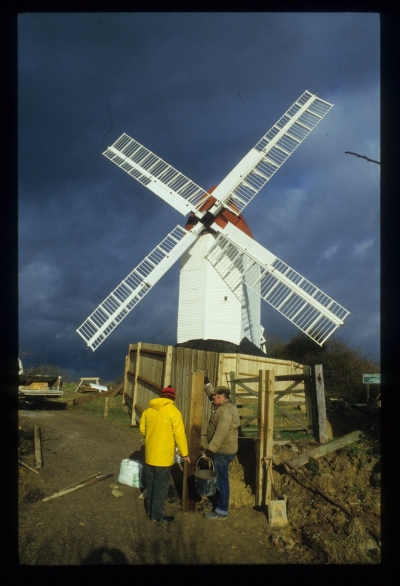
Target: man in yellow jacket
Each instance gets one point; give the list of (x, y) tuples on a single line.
[(162, 426)]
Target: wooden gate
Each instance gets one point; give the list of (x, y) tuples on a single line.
[(312, 421)]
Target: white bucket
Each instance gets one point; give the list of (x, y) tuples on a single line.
[(130, 472)]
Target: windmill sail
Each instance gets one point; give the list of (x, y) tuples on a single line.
[(165, 181), (301, 302), (250, 175), (243, 183), (134, 287)]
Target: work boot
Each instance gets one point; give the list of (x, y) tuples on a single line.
[(164, 519)]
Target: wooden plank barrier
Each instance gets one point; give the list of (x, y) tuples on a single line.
[(151, 367)]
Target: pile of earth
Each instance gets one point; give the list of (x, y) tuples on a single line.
[(350, 477)]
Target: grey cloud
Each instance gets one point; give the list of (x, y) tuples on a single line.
[(199, 90)]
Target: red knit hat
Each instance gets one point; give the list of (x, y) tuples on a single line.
[(168, 393)]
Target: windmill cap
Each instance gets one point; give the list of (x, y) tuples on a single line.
[(220, 390), (168, 393)]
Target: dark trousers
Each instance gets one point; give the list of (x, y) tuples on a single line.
[(157, 480), (221, 465)]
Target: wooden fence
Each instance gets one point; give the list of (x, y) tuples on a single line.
[(151, 367)]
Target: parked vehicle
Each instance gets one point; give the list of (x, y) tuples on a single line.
[(38, 387)]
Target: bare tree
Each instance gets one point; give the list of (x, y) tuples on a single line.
[(362, 157), (33, 369)]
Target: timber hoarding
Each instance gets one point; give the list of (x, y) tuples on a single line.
[(151, 367)]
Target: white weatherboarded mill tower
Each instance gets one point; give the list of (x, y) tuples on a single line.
[(208, 309), (224, 271)]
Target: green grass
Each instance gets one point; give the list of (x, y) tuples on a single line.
[(117, 412)]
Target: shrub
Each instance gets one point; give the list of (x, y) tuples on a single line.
[(343, 366)]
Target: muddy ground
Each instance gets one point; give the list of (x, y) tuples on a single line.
[(91, 526)]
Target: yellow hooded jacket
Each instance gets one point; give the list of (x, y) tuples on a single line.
[(162, 426)]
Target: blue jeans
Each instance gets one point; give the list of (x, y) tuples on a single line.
[(221, 465)]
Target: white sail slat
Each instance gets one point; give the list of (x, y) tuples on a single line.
[(105, 318), (165, 181), (252, 173), (301, 302)]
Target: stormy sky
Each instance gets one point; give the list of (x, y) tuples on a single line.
[(199, 90)]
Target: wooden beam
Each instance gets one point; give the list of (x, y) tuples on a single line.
[(196, 387), (233, 387), (167, 367), (77, 487), (38, 447), (244, 380), (324, 449), (106, 403), (260, 476), (289, 428), (289, 416), (150, 383), (149, 351), (82, 481), (29, 467), (117, 390), (308, 397), (289, 377), (135, 383), (246, 388), (321, 427), (286, 391), (128, 402), (269, 429)]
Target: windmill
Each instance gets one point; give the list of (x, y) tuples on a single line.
[(224, 271)]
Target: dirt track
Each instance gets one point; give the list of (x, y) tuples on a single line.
[(91, 526)]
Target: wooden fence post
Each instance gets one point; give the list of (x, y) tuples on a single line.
[(167, 367), (135, 385), (320, 423), (193, 432), (128, 381), (38, 446), (233, 388), (106, 403), (260, 441), (269, 429), (308, 397)]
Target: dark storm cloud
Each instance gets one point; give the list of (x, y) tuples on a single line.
[(199, 90)]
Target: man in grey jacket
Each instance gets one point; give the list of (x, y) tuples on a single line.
[(222, 438)]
